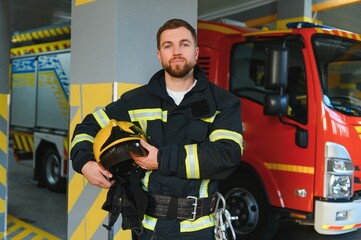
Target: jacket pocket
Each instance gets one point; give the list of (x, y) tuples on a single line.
[(197, 130)]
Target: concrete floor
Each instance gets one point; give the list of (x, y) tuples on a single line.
[(48, 211), (37, 206)]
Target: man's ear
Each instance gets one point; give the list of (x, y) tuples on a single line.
[(196, 53), (158, 55)]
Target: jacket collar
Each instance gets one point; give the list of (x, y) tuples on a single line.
[(201, 103), (157, 85)]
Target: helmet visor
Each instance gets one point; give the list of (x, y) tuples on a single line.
[(119, 158)]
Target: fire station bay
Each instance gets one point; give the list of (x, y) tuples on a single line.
[(294, 65)]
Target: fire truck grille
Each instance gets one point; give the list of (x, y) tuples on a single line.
[(205, 62)]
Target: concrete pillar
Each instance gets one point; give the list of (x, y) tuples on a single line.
[(293, 11), (113, 50), (4, 110)]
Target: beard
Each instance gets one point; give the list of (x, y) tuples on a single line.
[(178, 70)]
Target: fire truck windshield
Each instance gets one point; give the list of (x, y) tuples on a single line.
[(339, 64)]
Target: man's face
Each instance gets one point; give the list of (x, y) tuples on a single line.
[(177, 52)]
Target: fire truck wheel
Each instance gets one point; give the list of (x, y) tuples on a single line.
[(51, 169), (246, 200)]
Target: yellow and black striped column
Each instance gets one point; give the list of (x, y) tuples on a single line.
[(4, 110), (4, 105), (85, 201)]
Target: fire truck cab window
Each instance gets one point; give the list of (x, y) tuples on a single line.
[(247, 74)]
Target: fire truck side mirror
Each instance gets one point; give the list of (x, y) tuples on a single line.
[(276, 67), (275, 105), (275, 81)]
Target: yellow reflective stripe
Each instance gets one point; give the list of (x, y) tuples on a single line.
[(80, 138), (145, 180), (210, 119), (290, 168), (203, 191), (191, 161), (148, 114), (199, 224), (226, 134), (149, 222), (101, 118)]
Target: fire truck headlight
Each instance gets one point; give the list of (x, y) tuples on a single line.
[(340, 186), (339, 172)]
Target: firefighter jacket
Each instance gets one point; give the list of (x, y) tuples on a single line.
[(199, 141)]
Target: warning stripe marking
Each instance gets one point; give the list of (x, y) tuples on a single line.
[(82, 2), (66, 148), (85, 215), (4, 110), (23, 142), (39, 48), (41, 33), (340, 33), (17, 229), (345, 227)]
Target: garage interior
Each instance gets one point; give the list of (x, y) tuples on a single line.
[(26, 200)]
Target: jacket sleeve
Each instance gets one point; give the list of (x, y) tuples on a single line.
[(216, 157), (84, 133)]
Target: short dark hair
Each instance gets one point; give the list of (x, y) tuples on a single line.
[(173, 24)]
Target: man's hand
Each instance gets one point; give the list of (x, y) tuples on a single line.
[(149, 162), (97, 175)]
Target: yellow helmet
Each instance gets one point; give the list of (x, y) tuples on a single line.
[(116, 144)]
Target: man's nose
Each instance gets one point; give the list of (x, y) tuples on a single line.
[(176, 50)]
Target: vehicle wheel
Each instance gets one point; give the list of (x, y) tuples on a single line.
[(246, 199), (51, 169)]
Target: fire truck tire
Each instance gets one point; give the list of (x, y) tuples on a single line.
[(246, 199), (51, 169)]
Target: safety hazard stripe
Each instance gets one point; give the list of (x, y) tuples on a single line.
[(42, 33), (39, 48), (81, 2), (84, 200), (85, 216), (17, 229), (66, 147), (345, 227), (4, 117), (23, 142), (340, 33)]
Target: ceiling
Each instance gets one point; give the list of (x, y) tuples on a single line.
[(31, 14)]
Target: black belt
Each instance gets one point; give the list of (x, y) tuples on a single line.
[(189, 208)]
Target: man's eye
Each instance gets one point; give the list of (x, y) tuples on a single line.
[(166, 46)]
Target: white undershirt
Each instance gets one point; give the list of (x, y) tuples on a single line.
[(178, 96)]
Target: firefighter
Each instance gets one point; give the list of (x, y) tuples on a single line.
[(194, 139)]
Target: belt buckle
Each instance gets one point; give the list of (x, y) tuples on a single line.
[(195, 204)]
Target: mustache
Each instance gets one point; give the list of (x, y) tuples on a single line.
[(177, 58)]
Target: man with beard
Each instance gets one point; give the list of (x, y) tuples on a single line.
[(195, 139)]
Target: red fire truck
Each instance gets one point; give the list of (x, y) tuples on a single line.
[(300, 93)]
